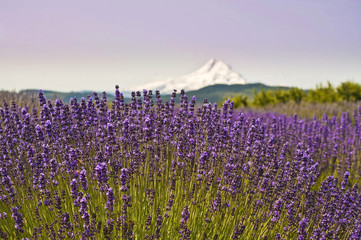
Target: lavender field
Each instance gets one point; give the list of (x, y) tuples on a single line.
[(151, 169)]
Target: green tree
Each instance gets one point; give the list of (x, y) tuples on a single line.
[(240, 101), (281, 96), (296, 94), (349, 91), (263, 98), (323, 94)]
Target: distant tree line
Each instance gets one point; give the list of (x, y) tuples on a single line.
[(346, 91)]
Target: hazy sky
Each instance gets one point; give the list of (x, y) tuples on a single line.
[(87, 44)]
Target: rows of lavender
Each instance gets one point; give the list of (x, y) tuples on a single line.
[(151, 169)]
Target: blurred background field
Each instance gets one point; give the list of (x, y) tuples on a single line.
[(248, 97)]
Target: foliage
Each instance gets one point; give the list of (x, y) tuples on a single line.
[(296, 94), (323, 94), (263, 98), (346, 91), (281, 96), (349, 91)]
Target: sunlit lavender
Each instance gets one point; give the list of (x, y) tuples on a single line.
[(155, 169)]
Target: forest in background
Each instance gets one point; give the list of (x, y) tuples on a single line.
[(345, 92)]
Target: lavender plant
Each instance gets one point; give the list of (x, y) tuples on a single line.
[(149, 169)]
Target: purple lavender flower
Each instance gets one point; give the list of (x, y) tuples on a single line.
[(238, 230), (185, 232), (101, 172), (277, 207), (170, 202), (185, 215), (302, 234), (111, 198), (83, 180), (158, 226), (84, 211), (345, 180), (48, 128), (6, 181), (73, 188), (124, 179), (42, 181), (18, 217), (3, 215), (217, 202), (39, 132), (42, 99)]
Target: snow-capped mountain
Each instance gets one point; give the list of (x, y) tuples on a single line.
[(213, 72)]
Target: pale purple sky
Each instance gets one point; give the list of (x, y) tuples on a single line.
[(87, 44)]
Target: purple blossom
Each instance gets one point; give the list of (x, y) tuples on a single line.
[(184, 230), (302, 234), (83, 180), (124, 179), (73, 188), (111, 198), (18, 217), (101, 172)]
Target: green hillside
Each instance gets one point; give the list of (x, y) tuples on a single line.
[(218, 92)]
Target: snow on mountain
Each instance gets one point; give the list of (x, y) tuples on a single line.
[(213, 72)]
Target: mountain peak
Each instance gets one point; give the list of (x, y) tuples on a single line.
[(214, 65), (213, 72)]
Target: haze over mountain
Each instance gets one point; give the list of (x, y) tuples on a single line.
[(213, 72)]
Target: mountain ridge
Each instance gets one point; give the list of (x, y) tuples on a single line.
[(214, 93)]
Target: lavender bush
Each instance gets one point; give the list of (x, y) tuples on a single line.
[(149, 170)]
